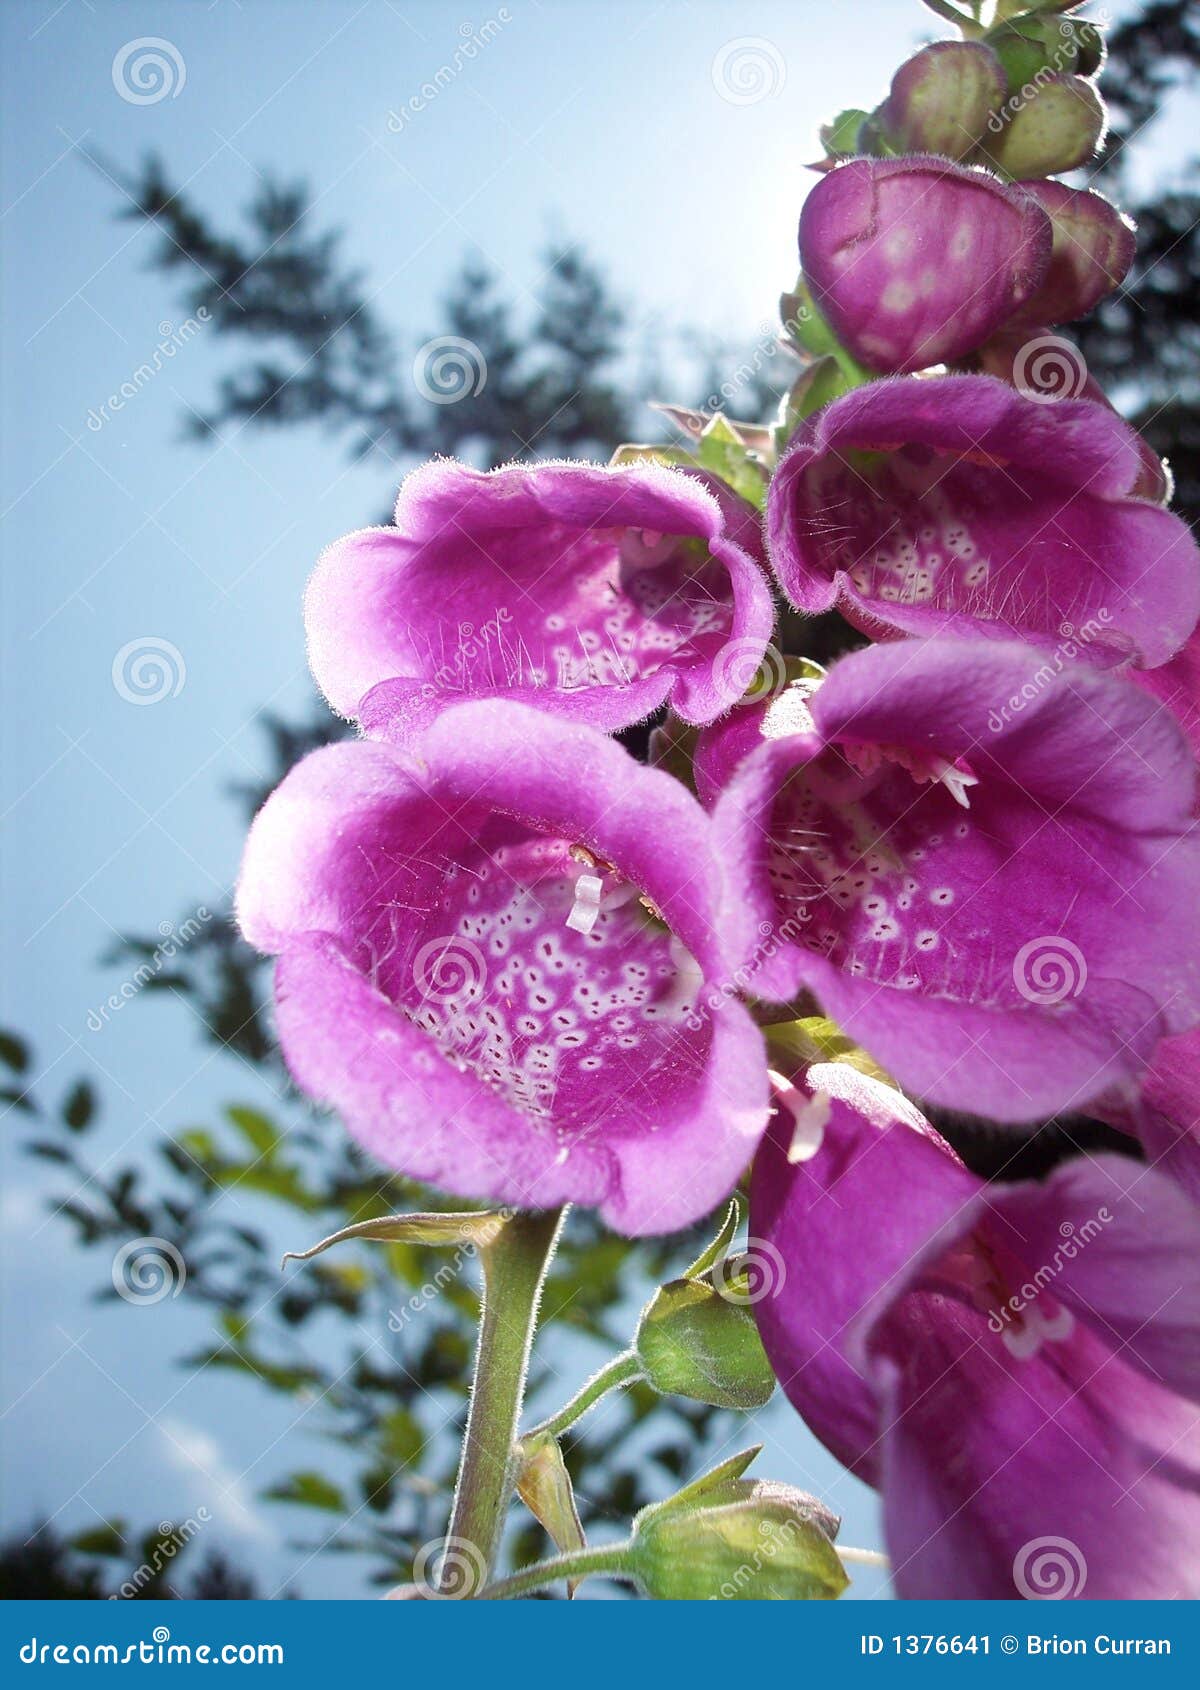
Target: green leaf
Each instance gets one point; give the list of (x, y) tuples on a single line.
[(261, 1134), (721, 450), (840, 138), (310, 1490), (79, 1107), (108, 1539), (477, 1228), (14, 1052)]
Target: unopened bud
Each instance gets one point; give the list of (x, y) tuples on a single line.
[(726, 1538), (693, 1342), (941, 99), (1056, 129)]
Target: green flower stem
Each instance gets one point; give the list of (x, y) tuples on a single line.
[(612, 1559), (624, 1369), (514, 1269)]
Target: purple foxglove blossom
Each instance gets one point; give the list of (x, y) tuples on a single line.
[(1093, 248), (1048, 367), (489, 959), (955, 504), (593, 593), (1015, 1367), (1177, 685), (983, 864), (1164, 1113), (916, 261)]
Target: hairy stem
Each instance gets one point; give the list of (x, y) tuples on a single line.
[(603, 1558), (624, 1369), (514, 1268)]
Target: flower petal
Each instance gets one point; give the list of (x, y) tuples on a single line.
[(916, 261), (956, 505), (1093, 249), (1014, 957), (593, 593), (470, 972)]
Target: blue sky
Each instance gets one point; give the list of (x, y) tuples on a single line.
[(611, 122)]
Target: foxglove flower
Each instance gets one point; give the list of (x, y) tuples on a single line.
[(984, 867), (1164, 1112), (1016, 1367), (956, 505), (593, 593), (489, 960), (916, 261), (1093, 247), (1177, 685), (1048, 367)]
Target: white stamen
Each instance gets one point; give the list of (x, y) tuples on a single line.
[(810, 1117), (584, 911), (956, 782)]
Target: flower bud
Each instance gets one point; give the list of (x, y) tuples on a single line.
[(726, 1538), (1054, 130), (1093, 248), (693, 1342), (941, 99)]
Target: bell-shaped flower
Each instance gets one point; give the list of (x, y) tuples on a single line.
[(1047, 368), (958, 505), (490, 959), (917, 261), (984, 866), (1093, 248), (1016, 1367), (1163, 1113), (594, 593), (1177, 685)]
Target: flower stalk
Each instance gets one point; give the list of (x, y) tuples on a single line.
[(514, 1270)]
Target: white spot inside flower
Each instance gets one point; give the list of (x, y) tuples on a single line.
[(898, 296)]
